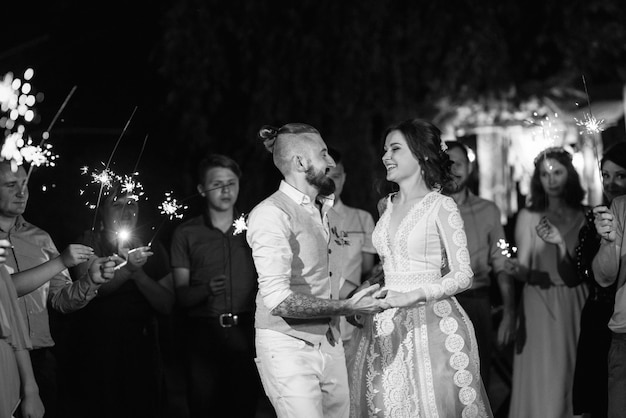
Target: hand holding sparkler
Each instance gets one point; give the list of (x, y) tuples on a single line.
[(136, 257), (102, 269), (604, 222), (76, 254), (511, 265)]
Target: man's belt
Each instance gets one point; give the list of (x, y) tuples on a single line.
[(227, 320)]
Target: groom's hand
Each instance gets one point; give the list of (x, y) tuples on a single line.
[(363, 301)]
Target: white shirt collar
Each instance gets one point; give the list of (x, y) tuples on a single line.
[(301, 198)]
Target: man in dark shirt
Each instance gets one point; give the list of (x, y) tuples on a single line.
[(215, 284)]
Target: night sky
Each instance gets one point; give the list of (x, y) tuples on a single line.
[(108, 53), (205, 75)]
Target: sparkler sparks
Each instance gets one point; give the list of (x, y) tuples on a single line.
[(170, 207), (104, 178), (240, 224), (590, 125), (132, 187), (17, 101), (504, 246)]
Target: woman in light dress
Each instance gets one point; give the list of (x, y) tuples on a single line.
[(420, 358), (552, 303)]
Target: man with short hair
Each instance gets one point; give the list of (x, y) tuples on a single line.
[(48, 282), (484, 231), (215, 284), (300, 356)]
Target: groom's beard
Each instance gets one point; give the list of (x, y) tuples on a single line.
[(324, 184)]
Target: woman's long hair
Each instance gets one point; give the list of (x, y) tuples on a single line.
[(573, 192)]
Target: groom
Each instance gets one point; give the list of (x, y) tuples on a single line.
[(300, 356)]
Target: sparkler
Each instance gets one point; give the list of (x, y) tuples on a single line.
[(592, 127), (41, 150), (240, 224), (140, 153), (170, 207), (93, 225), (103, 178), (504, 246)]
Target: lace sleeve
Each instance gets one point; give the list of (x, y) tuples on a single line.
[(459, 274)]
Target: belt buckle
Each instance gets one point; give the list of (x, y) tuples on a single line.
[(228, 320)]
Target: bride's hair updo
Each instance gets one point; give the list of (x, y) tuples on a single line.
[(424, 140)]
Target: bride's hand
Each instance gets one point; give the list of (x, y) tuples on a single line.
[(396, 299)]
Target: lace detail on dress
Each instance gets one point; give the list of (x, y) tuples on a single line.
[(405, 281), (406, 226), (459, 361), (396, 378)]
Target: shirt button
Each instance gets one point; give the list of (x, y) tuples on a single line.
[(330, 273), (329, 251)]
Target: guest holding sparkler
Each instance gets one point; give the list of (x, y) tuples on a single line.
[(591, 375), (47, 282), (215, 284), (114, 347), (549, 321), (608, 269)]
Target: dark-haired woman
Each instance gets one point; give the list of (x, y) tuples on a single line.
[(419, 358), (590, 392), (549, 324)]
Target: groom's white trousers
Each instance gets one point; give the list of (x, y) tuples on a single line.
[(300, 379)]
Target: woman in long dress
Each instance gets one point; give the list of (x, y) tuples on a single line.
[(420, 358), (591, 377), (549, 323)]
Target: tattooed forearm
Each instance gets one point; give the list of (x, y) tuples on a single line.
[(304, 306)]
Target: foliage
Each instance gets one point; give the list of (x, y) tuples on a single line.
[(351, 67)]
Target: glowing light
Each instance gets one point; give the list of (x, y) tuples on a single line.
[(132, 187), (37, 155), (590, 125), (240, 224), (29, 73), (123, 235), (170, 207), (504, 246), (104, 178)]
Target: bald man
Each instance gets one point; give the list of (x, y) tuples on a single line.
[(300, 355)]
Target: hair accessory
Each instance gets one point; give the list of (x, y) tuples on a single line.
[(552, 150)]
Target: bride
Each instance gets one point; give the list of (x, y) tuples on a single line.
[(420, 358)]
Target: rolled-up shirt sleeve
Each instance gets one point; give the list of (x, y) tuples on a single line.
[(268, 236)]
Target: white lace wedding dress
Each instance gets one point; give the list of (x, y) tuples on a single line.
[(420, 361)]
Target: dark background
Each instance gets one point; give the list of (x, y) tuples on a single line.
[(205, 75)]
